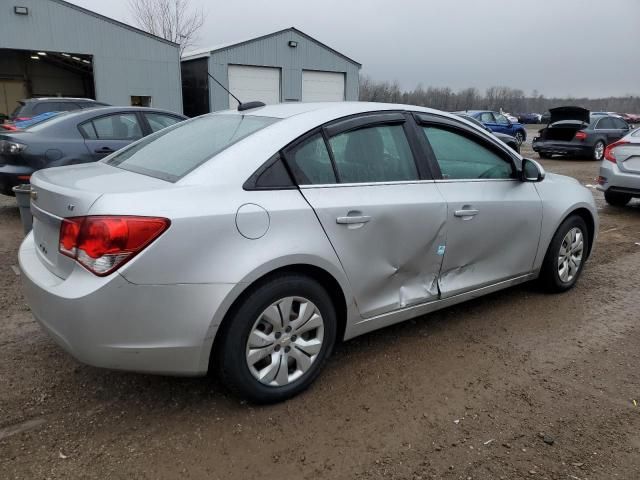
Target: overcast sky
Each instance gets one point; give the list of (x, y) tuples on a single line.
[(558, 47)]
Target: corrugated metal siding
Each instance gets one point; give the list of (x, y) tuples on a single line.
[(274, 51), (125, 62)]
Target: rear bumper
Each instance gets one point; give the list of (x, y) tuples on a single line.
[(561, 148), (9, 177), (615, 180), (111, 323)]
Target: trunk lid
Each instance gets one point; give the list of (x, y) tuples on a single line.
[(569, 113), (70, 191)]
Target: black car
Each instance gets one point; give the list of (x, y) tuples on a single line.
[(31, 107), (75, 137), (573, 131), (512, 142)]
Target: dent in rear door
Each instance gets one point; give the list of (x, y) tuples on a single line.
[(393, 260)]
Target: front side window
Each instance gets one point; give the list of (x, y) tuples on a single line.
[(373, 154), (122, 126), (175, 151), (310, 162), (460, 157), (158, 121), (502, 120)]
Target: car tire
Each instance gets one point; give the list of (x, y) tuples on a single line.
[(546, 156), (617, 199), (598, 151), (519, 136), (559, 271), (235, 362)]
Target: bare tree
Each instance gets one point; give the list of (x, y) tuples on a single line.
[(173, 20)]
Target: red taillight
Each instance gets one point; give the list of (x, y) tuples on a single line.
[(21, 119), (609, 153), (580, 135), (9, 126), (104, 243)]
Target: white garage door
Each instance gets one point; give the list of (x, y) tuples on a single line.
[(254, 84), (322, 86)]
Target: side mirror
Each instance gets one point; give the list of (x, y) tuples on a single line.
[(531, 171)]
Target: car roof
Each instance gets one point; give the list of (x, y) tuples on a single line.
[(58, 99), (329, 109)]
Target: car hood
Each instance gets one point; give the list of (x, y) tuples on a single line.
[(569, 113)]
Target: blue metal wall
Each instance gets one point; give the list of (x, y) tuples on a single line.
[(126, 62)]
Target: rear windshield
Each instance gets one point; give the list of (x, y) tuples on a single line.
[(175, 151), (59, 117)]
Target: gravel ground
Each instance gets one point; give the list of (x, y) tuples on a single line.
[(518, 384)]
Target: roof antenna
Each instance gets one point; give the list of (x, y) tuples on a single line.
[(241, 106)]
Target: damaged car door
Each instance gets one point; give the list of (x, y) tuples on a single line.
[(494, 219), (381, 211)]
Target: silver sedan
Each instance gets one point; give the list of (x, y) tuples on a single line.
[(251, 242), (619, 177)]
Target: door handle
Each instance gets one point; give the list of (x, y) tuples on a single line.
[(466, 213), (104, 150), (350, 220)]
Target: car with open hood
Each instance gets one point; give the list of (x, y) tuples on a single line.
[(250, 241), (574, 131)]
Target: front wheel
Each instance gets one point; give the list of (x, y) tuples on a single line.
[(277, 341), (598, 150), (565, 256), (617, 199)]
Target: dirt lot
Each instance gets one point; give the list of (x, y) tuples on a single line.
[(518, 384)]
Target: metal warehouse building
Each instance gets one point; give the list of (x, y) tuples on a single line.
[(284, 66), (54, 48)]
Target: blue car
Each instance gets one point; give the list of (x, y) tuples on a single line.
[(498, 123)]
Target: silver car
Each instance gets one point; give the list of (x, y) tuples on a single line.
[(619, 177), (250, 242)]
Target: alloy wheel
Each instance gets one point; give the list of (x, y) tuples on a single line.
[(519, 138), (285, 341), (598, 151), (570, 254)]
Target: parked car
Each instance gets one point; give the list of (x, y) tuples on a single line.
[(499, 123), (619, 177), (630, 118), (512, 118), (31, 107), (529, 118), (572, 131), (250, 242), (75, 137), (508, 139)]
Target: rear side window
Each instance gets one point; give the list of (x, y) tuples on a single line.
[(460, 157), (373, 154), (619, 123), (121, 126), (310, 162), (486, 117), (605, 123), (175, 151)]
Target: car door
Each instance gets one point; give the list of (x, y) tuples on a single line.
[(493, 219), (606, 128), (380, 209), (106, 134)]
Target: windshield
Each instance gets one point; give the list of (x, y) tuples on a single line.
[(175, 151)]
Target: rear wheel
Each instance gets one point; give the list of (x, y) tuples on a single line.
[(519, 136), (565, 256), (617, 199), (598, 150), (277, 341)]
